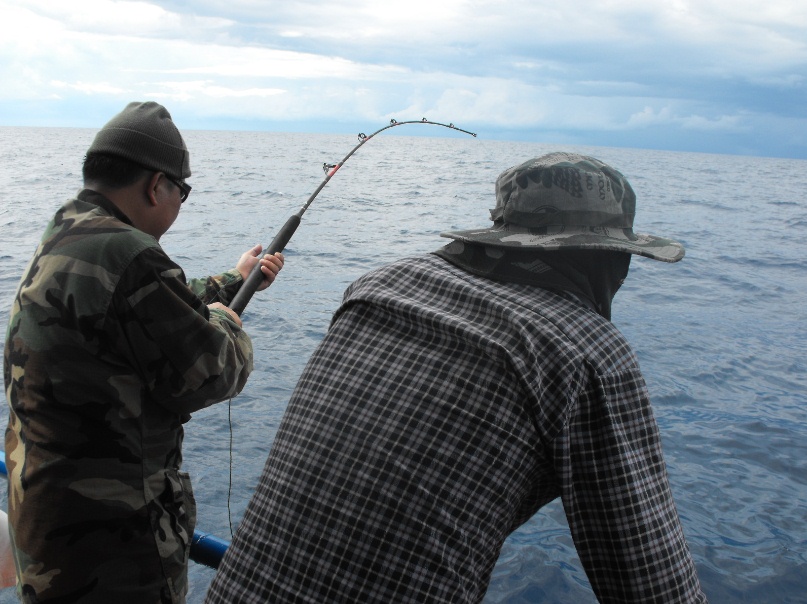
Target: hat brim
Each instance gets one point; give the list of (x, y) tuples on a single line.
[(580, 238)]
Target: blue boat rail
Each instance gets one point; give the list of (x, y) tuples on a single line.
[(206, 549)]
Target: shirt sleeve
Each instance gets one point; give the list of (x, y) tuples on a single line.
[(217, 288), (188, 356), (617, 496)]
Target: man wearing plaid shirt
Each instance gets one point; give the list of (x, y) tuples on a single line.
[(456, 394)]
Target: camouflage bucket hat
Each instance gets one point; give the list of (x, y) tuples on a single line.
[(567, 201)]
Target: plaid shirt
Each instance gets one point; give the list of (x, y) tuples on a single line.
[(440, 412)]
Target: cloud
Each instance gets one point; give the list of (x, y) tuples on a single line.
[(666, 116), (87, 88), (114, 17), (513, 67)]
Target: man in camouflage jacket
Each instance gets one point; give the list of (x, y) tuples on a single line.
[(108, 351)]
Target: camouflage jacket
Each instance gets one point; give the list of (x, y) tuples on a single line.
[(108, 351)]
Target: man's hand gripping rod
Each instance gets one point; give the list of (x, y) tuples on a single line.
[(251, 283)]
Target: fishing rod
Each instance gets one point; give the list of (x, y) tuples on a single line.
[(251, 283)]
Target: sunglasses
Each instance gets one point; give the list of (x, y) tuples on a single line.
[(184, 188)]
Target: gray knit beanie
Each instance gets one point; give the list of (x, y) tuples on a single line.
[(144, 133)]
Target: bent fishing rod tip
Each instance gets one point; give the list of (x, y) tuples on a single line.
[(250, 285)]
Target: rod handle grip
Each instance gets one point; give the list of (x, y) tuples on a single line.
[(251, 283)]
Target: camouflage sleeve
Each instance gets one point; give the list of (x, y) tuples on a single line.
[(188, 357), (217, 288)]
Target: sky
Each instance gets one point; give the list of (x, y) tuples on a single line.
[(715, 76)]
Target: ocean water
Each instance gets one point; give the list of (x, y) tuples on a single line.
[(721, 336)]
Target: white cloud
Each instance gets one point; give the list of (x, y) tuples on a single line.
[(113, 17), (254, 62), (88, 88), (666, 116), (589, 66)]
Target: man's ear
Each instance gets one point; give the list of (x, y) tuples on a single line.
[(152, 193)]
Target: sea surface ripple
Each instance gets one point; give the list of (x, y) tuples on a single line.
[(721, 336)]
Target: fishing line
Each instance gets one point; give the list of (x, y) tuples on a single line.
[(230, 483), (251, 283)]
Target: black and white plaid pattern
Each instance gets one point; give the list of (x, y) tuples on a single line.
[(439, 413)]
